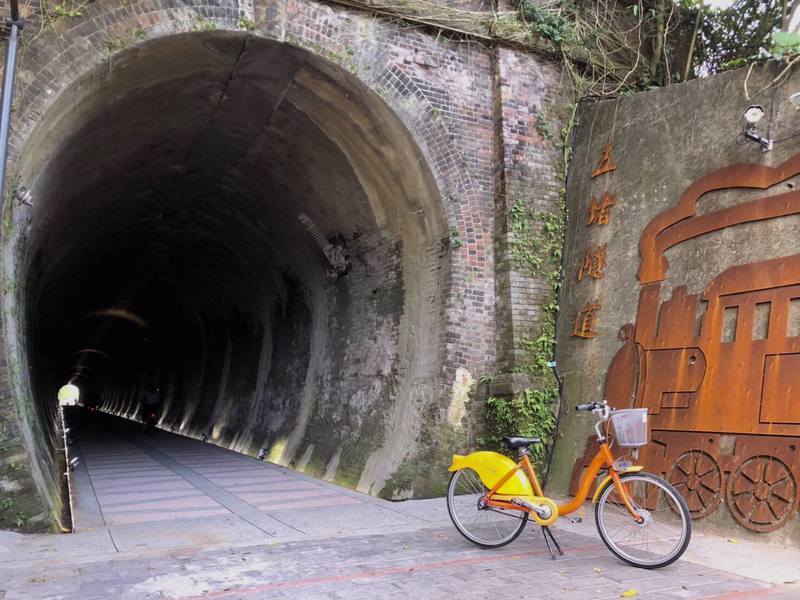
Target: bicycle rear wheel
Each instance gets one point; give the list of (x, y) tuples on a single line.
[(483, 525), (664, 532)]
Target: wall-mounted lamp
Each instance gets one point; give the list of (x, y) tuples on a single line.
[(753, 115), (262, 454)]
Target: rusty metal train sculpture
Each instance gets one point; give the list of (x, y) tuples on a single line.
[(721, 379)]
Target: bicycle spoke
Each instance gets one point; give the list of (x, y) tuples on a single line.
[(661, 534), (481, 524)]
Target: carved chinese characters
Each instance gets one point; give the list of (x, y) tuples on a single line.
[(593, 264), (606, 163), (600, 210), (586, 320)]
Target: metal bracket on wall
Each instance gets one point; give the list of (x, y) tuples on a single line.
[(334, 253)]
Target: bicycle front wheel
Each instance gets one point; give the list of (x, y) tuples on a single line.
[(483, 525), (663, 531)]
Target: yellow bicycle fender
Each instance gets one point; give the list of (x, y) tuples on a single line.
[(491, 467), (603, 483)]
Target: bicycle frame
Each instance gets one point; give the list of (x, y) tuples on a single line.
[(603, 459), (653, 529)]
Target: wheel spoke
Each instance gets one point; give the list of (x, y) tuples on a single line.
[(709, 488), (698, 477), (481, 524), (762, 491), (706, 472), (662, 535)]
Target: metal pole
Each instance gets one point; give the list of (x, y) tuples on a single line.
[(8, 89)]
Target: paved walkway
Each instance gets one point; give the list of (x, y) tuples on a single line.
[(164, 517), (164, 489)]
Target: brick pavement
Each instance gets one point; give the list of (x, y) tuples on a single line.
[(433, 563), (236, 538)]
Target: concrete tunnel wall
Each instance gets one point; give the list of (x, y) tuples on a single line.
[(170, 156), (202, 279), (244, 323)]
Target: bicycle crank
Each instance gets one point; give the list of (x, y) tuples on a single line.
[(543, 510)]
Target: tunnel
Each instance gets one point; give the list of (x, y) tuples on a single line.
[(251, 230)]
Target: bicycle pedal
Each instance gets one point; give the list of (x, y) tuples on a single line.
[(575, 519)]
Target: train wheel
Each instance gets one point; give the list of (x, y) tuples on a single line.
[(762, 493), (698, 478)]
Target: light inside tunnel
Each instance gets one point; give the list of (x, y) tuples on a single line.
[(247, 228), (69, 395)]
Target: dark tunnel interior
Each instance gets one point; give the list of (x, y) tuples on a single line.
[(249, 229)]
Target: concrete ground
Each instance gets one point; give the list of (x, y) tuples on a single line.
[(165, 517)]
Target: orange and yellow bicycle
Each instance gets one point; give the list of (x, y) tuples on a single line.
[(641, 518)]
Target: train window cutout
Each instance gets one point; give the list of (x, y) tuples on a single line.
[(719, 371)]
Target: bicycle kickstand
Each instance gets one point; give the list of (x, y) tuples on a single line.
[(546, 532)]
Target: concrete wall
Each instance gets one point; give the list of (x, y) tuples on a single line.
[(144, 126), (663, 141)]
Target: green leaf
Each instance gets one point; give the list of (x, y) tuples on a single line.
[(785, 42), (786, 38)]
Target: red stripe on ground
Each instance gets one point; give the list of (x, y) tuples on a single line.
[(431, 566), (757, 593)]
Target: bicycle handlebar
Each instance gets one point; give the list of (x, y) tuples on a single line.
[(591, 405)]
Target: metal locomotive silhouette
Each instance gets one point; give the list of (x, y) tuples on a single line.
[(719, 371)]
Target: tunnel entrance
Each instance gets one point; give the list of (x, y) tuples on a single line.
[(251, 230)]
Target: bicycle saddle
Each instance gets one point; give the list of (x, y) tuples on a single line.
[(520, 442)]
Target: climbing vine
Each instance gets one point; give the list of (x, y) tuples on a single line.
[(536, 244), (529, 414), (537, 240), (553, 26), (10, 512), (616, 47), (117, 43), (536, 248), (246, 23)]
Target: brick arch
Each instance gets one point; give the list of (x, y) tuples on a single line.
[(433, 115), (74, 47), (75, 55)]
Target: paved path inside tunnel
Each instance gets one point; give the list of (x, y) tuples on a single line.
[(190, 492), (170, 518)]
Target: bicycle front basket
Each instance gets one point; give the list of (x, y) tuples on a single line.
[(630, 427)]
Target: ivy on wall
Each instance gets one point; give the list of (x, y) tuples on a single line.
[(536, 244), (528, 414), (536, 248)]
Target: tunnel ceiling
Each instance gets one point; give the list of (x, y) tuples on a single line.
[(167, 246), (216, 162)]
